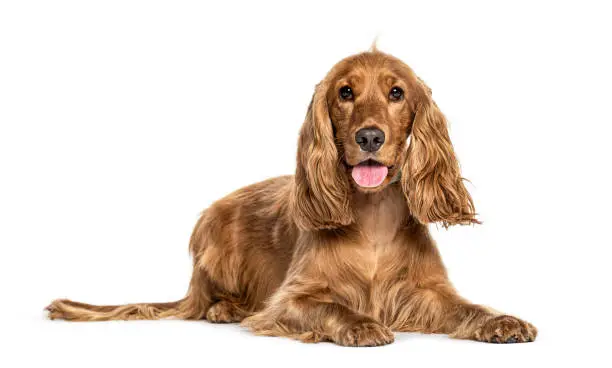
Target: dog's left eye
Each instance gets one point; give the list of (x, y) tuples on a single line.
[(396, 94)]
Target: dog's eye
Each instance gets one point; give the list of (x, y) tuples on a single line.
[(396, 94), (346, 93)]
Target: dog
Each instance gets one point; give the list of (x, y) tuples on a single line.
[(340, 251)]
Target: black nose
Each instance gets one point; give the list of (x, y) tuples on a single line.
[(370, 139)]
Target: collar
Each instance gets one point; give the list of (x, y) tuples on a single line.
[(396, 178)]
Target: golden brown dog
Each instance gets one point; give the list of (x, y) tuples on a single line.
[(341, 251)]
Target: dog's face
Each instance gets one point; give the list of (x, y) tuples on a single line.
[(371, 102), (355, 137)]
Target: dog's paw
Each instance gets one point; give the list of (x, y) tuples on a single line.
[(506, 330), (224, 312), (364, 333)]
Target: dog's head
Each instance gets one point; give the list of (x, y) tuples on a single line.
[(355, 137)]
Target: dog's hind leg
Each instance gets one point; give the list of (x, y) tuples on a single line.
[(225, 311)]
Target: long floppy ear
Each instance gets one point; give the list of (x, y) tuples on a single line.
[(319, 198), (431, 178)]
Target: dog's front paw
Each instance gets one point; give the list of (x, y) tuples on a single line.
[(506, 330), (363, 333)]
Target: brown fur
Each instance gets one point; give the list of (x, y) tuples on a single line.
[(318, 258)]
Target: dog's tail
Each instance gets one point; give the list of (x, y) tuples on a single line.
[(193, 306)]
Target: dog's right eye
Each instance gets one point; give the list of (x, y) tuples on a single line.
[(346, 93)]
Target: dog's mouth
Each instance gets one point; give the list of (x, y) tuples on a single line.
[(369, 173)]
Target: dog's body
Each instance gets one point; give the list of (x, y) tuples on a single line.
[(317, 256)]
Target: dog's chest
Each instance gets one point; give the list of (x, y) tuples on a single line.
[(371, 266), (380, 247), (370, 275)]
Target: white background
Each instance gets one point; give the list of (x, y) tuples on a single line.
[(121, 120)]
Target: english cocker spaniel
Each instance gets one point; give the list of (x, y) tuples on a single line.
[(340, 251)]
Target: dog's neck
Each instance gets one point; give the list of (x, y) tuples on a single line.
[(381, 213)]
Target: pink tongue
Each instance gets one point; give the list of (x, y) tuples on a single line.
[(369, 176)]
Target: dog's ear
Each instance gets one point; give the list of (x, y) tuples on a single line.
[(320, 193), (431, 178)]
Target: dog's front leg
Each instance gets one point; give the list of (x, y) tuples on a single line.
[(475, 322), (438, 309), (308, 314), (312, 304)]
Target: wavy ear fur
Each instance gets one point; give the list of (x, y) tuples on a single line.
[(319, 198), (431, 178)]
